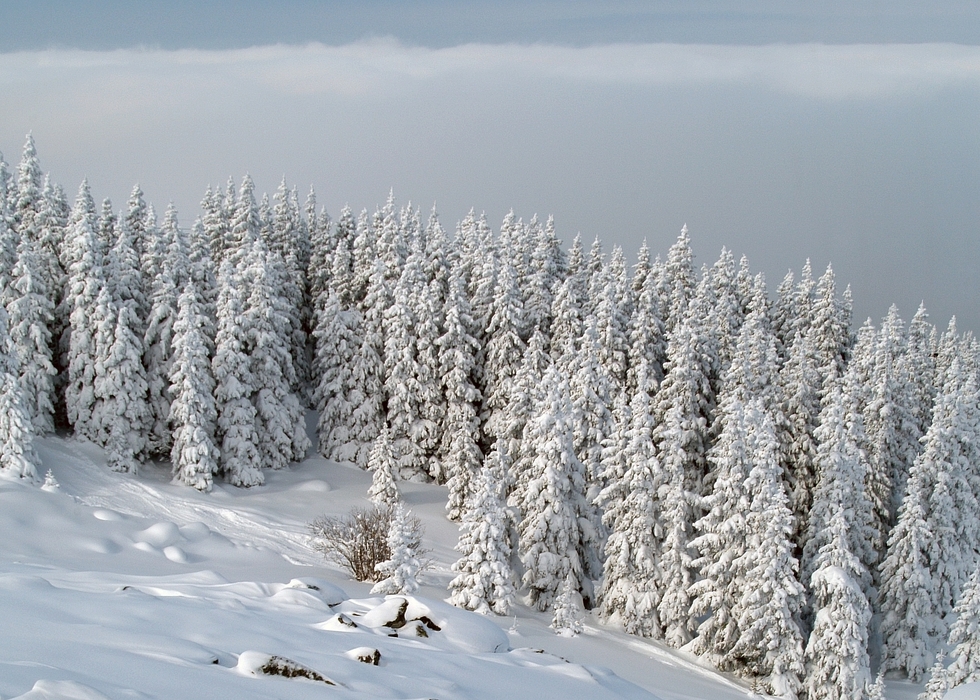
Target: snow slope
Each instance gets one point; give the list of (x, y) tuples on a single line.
[(122, 587)]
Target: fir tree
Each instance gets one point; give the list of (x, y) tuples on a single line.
[(31, 313), (841, 474), (461, 456), (566, 621), (123, 413), (964, 636), (632, 580), (401, 570), (799, 387), (520, 408), (503, 351), (236, 433), (337, 341), (770, 643), (403, 387), (192, 412), (677, 282), (18, 458), (367, 371), (890, 425), (592, 390), (907, 597), (280, 419), (552, 538), (837, 651), (85, 279), (383, 467), (484, 579)]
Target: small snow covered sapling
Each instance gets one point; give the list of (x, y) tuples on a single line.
[(405, 562), (938, 682), (50, 483), (568, 610)]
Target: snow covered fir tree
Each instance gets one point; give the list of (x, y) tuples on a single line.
[(678, 452)]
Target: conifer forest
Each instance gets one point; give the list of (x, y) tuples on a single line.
[(734, 467)]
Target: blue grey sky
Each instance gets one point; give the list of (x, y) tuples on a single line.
[(846, 133)]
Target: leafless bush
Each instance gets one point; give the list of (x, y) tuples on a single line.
[(358, 541)]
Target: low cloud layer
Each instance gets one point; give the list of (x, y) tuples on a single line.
[(864, 155), (810, 70)]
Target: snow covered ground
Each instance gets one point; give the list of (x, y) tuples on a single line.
[(123, 587)]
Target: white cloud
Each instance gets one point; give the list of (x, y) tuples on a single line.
[(811, 70)]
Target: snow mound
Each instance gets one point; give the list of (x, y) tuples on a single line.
[(967, 691), (61, 690)]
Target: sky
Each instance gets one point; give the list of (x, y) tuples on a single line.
[(845, 133)]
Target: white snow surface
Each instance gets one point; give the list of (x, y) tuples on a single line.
[(117, 586)]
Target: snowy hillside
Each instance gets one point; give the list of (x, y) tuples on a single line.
[(119, 587)]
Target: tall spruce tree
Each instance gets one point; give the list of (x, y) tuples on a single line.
[(31, 314), (193, 413), (554, 538), (236, 416), (837, 664), (484, 579), (632, 581), (460, 455)]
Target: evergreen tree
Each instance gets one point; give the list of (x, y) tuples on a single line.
[(723, 536), (677, 282), (383, 467), (461, 456), (484, 579), (964, 636), (367, 371), (552, 536), (683, 406), (504, 350), (520, 408), (770, 643), (891, 428), (546, 263), (85, 279), (566, 621), (632, 580), (907, 597), (236, 432), (280, 420), (567, 323), (837, 652), (29, 193), (31, 313), (938, 684), (799, 386), (193, 413), (922, 369), (592, 390), (841, 474), (647, 339), (612, 331), (403, 387), (18, 459), (122, 413), (337, 341), (402, 570)]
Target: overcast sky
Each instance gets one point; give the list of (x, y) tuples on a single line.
[(842, 134)]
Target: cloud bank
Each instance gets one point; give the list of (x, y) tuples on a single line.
[(812, 70)]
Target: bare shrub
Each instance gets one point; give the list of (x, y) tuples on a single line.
[(358, 541)]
